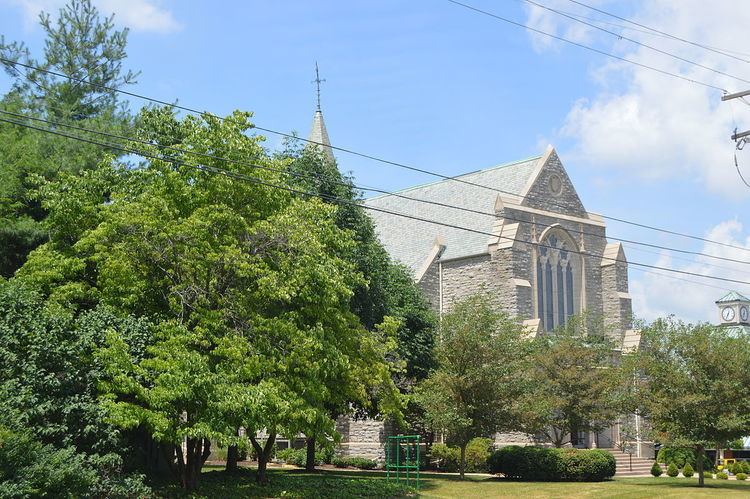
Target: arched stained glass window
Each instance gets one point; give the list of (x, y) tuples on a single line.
[(558, 279)]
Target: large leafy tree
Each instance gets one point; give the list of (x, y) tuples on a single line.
[(575, 385), (79, 44), (692, 381), (480, 375), (387, 289), (247, 287)]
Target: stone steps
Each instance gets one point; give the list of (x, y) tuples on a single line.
[(640, 465)]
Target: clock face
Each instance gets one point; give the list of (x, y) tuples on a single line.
[(727, 313), (743, 313)]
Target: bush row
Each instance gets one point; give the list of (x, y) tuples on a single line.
[(680, 457), (354, 462), (545, 464), (739, 467)]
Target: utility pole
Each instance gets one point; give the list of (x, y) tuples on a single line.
[(737, 95)]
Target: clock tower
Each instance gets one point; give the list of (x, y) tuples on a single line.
[(734, 309)]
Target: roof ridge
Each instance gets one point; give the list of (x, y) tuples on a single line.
[(436, 182), (732, 296)]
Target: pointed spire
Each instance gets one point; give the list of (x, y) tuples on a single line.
[(318, 134)]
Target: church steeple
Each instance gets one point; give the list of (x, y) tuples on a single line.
[(318, 134)]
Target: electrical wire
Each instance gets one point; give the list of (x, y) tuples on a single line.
[(365, 188), (249, 178), (668, 35), (631, 40), (587, 47), (356, 153)]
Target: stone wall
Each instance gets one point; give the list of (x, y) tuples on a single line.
[(363, 437)]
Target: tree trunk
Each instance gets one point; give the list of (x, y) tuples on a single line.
[(264, 454), (462, 465), (699, 464), (232, 456), (310, 461)]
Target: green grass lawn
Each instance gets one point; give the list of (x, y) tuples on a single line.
[(297, 483)]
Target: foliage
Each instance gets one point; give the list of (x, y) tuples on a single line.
[(680, 456), (740, 467), (722, 476), (298, 457), (552, 464), (362, 463), (30, 468), (688, 471), (574, 384), (741, 476), (656, 469), (481, 362), (737, 443), (296, 484), (246, 286), (388, 288), (444, 457), (690, 377), (672, 470), (708, 474), (81, 44)]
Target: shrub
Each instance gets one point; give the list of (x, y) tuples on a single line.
[(445, 458), (745, 467), (741, 476), (656, 470), (544, 464), (680, 456), (355, 462), (478, 451), (672, 470), (722, 476), (688, 471), (708, 474)]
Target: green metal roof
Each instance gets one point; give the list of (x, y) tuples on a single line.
[(731, 297)]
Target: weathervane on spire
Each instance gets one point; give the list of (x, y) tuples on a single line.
[(317, 81)]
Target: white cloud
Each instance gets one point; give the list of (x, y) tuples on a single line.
[(549, 22), (138, 15), (658, 293), (654, 126), (141, 15)]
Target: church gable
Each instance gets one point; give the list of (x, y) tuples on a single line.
[(550, 188)]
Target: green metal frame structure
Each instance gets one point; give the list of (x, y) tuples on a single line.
[(402, 459)]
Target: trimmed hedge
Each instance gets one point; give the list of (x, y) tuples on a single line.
[(688, 471), (722, 476), (672, 470), (354, 462), (548, 465), (298, 457), (741, 476), (656, 470)]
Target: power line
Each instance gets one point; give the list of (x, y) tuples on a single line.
[(358, 154), (249, 178), (659, 35), (364, 188), (668, 35), (631, 40), (587, 47)]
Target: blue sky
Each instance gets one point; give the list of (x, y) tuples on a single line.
[(434, 85)]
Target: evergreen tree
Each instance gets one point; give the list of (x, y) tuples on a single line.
[(79, 44)]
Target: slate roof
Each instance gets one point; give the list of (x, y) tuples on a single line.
[(732, 296), (410, 241), (319, 135)]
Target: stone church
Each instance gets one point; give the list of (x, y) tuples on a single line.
[(520, 233)]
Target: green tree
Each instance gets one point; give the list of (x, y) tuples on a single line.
[(575, 386), (79, 44), (480, 374), (246, 286), (387, 290), (691, 376)]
